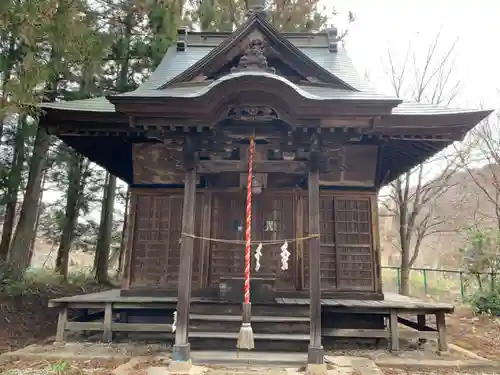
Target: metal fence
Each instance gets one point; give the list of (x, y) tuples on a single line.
[(444, 285)]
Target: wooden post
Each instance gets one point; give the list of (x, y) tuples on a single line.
[(61, 323), (315, 351), (441, 327), (393, 326), (129, 239), (421, 326), (107, 334), (181, 350)]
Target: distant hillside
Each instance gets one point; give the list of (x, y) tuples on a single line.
[(462, 205)]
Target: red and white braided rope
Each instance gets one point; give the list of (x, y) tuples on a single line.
[(248, 234)]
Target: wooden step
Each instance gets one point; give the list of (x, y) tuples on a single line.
[(257, 336), (260, 327), (257, 310), (256, 319)]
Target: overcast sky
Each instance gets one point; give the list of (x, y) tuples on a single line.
[(391, 24)]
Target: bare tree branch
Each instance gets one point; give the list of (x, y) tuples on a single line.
[(412, 197), (485, 170)]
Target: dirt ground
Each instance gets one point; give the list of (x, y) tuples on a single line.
[(26, 319), (479, 334), (94, 367), (394, 371)]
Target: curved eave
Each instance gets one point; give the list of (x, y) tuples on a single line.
[(99, 150), (92, 114), (429, 120), (254, 81), (96, 112), (434, 128), (97, 105), (397, 157)]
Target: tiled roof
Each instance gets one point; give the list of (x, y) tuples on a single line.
[(86, 105), (408, 108), (309, 92), (337, 63), (174, 63)]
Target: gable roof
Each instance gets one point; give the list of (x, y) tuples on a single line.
[(175, 63), (283, 46)]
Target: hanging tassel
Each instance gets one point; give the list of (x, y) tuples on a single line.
[(174, 323), (285, 254), (258, 254)]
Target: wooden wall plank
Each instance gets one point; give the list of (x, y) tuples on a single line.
[(130, 240)]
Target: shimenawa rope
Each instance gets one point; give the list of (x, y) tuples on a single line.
[(240, 242)]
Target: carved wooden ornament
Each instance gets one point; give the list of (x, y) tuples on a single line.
[(254, 58), (252, 113)]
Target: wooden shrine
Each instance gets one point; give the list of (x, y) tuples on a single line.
[(325, 144)]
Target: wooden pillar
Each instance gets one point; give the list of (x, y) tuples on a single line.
[(181, 350), (129, 240), (315, 351), (107, 334), (393, 326), (62, 322), (441, 327), (421, 326)]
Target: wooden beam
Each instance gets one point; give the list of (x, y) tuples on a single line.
[(181, 350), (268, 166), (315, 351)]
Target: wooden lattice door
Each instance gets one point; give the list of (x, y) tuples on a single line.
[(328, 261), (354, 245), (228, 223), (156, 247), (274, 221), (346, 246)]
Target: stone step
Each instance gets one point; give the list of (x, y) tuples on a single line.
[(245, 359)]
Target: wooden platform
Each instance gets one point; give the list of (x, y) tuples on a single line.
[(285, 320)]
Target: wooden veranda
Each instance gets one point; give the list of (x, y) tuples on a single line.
[(287, 328)]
